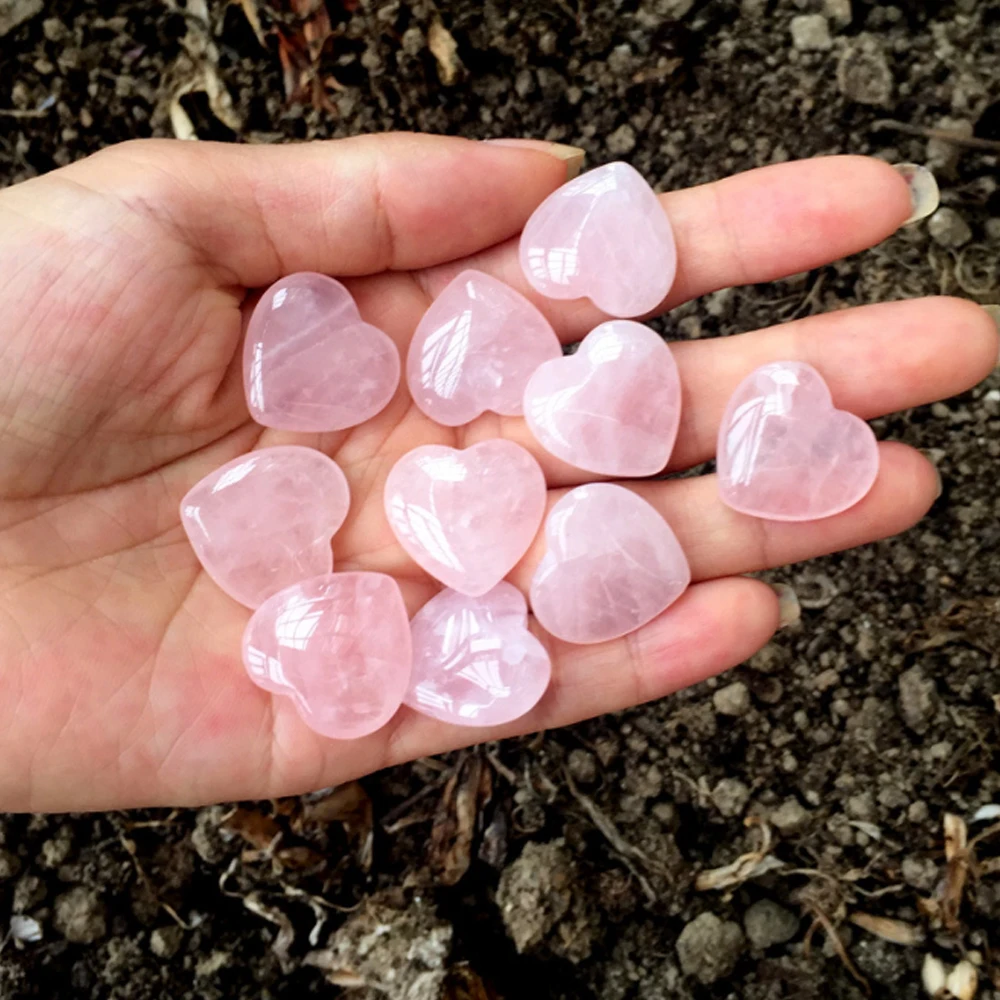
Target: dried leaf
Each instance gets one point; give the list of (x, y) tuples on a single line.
[(350, 805), (464, 983), (956, 874), (300, 46), (445, 50), (298, 857), (896, 931), (196, 71), (963, 981), (257, 829), (467, 791), (252, 14), (285, 937), (987, 812), (747, 866), (933, 975)]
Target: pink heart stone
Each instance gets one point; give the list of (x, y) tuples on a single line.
[(474, 661), (339, 646), (310, 362), (612, 565), (786, 454), (475, 349), (265, 520), (613, 407), (467, 516), (604, 236)]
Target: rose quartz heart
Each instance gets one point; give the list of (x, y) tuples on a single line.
[(604, 236), (310, 362), (475, 349), (467, 516), (474, 661), (612, 565), (339, 646), (265, 520), (611, 408), (786, 454)]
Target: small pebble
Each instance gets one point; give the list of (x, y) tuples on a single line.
[(709, 948), (790, 816), (948, 229), (730, 797), (767, 924), (811, 33), (733, 699)]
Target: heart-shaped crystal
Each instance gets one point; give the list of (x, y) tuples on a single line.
[(474, 661), (786, 454), (339, 646), (611, 408), (467, 516), (475, 349), (264, 521), (604, 236), (612, 564), (310, 362)]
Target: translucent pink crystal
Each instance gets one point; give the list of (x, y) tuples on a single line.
[(339, 646), (310, 362), (786, 454), (467, 516), (475, 349), (265, 520), (474, 661), (612, 565), (613, 407), (604, 236)]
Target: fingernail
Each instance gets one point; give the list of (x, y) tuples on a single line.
[(789, 609), (994, 313), (933, 459), (572, 156), (924, 194)]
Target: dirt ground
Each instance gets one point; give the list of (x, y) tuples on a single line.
[(810, 787)]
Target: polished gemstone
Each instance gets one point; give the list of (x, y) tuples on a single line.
[(466, 516), (786, 453), (339, 646), (264, 521), (475, 349), (612, 564), (474, 661), (613, 407), (310, 363), (604, 236)]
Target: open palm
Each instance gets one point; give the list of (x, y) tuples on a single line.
[(124, 289)]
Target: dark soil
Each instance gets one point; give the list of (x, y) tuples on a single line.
[(858, 729)]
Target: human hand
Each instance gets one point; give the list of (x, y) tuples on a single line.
[(124, 286)]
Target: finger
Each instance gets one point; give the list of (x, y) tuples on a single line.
[(345, 207), (753, 227), (719, 541), (876, 360), (712, 627)]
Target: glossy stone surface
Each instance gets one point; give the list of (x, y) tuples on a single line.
[(475, 349), (604, 236), (613, 407), (339, 646), (264, 521), (612, 564), (474, 661), (310, 363), (467, 516), (786, 454)]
